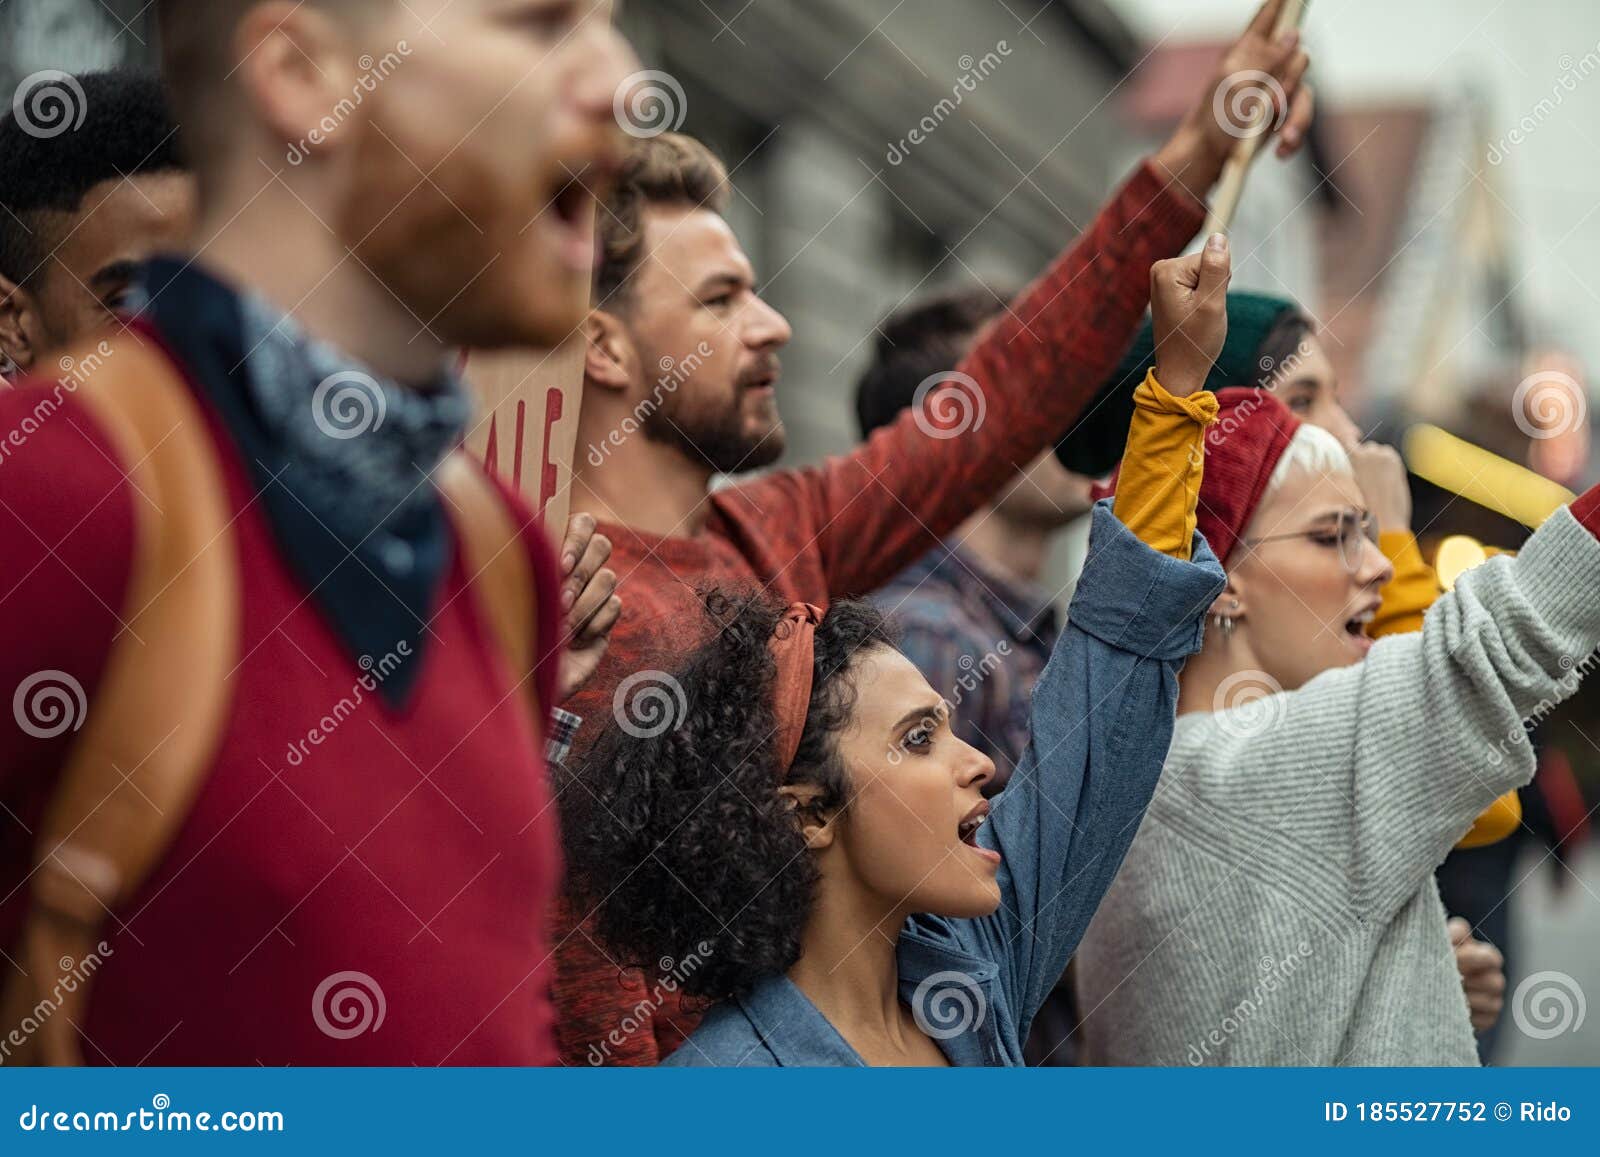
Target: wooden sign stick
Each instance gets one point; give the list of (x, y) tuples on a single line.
[(1231, 184)]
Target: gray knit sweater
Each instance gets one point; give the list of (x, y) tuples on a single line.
[(1278, 904)]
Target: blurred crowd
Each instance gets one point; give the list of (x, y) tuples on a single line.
[(323, 723)]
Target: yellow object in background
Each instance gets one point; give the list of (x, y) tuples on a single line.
[(1458, 554), (1493, 482), (1497, 822)]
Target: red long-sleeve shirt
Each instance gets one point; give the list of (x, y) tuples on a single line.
[(848, 525)]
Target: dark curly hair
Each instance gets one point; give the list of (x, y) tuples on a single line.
[(680, 842)]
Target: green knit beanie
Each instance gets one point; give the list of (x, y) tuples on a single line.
[(1095, 444)]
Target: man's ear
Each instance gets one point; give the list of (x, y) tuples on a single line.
[(815, 825), (609, 360), (21, 332), (296, 64)]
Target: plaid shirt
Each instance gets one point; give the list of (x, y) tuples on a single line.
[(980, 640), (563, 730)]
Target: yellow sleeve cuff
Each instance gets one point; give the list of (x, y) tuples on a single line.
[(1200, 406), (1158, 486)]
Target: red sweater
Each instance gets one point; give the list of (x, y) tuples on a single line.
[(847, 526), (417, 847)]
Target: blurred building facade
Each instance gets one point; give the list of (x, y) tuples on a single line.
[(879, 149), (73, 36)]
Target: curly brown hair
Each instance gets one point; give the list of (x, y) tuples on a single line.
[(681, 839)]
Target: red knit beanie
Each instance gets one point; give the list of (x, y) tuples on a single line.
[(1243, 446)]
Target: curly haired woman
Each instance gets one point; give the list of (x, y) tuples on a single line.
[(814, 839)]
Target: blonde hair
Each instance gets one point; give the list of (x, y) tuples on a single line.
[(1312, 450)]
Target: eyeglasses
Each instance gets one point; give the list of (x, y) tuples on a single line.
[(1349, 536)]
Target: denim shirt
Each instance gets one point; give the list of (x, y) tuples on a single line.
[(1101, 722)]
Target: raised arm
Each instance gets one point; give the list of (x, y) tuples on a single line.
[(1372, 772), (1100, 725), (1407, 596), (1102, 713), (1030, 375), (1020, 388)]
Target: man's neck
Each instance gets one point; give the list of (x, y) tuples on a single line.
[(643, 485), (276, 247), (1012, 549)]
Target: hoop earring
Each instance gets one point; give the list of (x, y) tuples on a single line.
[(1225, 625)]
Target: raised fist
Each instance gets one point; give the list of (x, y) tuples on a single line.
[(1189, 313), (1382, 477)]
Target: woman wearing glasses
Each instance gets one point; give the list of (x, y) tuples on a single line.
[(1278, 904), (1273, 345)]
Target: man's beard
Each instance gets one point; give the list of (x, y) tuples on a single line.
[(716, 437)]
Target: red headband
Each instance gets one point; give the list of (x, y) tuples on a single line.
[(794, 651)]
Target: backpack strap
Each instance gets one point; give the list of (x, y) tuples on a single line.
[(497, 565), (152, 728)]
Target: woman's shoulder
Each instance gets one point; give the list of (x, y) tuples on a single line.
[(725, 1039)]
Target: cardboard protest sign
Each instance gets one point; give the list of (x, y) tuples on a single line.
[(528, 425)]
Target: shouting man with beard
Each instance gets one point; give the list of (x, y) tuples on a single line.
[(280, 656), (680, 385)]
